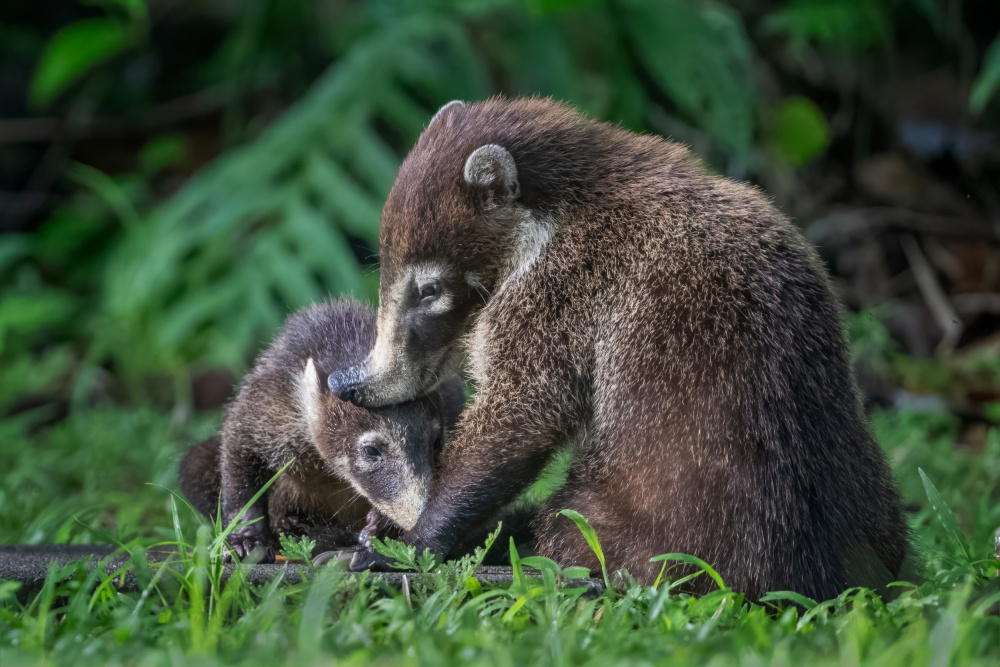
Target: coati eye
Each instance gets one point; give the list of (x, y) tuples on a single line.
[(372, 452), (428, 292)]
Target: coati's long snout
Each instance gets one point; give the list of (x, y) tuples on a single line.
[(367, 386), (348, 384), (424, 310), (394, 376), (427, 306)]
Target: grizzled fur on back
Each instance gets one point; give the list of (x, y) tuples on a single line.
[(673, 324), (346, 458)]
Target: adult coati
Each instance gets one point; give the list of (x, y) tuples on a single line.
[(347, 459), (609, 289)]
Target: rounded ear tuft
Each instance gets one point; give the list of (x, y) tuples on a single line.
[(443, 110), (491, 170)]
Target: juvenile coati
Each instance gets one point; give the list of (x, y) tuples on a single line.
[(610, 290), (347, 459)]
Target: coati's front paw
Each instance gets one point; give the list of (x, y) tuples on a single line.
[(248, 544), (369, 559)]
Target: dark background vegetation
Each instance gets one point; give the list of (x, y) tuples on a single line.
[(176, 176)]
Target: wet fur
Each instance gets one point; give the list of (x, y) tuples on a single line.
[(672, 323)]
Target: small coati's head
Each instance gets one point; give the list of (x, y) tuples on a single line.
[(455, 225), (386, 454)]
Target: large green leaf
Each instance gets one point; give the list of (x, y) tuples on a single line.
[(698, 52), (72, 51)]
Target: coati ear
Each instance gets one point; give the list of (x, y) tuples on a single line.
[(491, 172), (454, 104), (308, 389)]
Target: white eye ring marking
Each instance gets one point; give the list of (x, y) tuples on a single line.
[(426, 275), (376, 440)]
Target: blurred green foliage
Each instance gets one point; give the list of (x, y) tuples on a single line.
[(800, 131), (81, 46), (146, 288), (988, 81), (151, 270)]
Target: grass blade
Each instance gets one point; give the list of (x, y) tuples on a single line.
[(520, 585), (314, 613), (590, 535), (945, 515), (693, 560), (792, 596)]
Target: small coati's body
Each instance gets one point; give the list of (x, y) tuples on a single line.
[(675, 325), (328, 510), (347, 459)]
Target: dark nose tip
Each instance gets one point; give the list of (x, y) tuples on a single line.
[(346, 384)]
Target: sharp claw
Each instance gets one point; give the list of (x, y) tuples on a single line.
[(371, 528), (327, 556), (367, 559), (244, 548)]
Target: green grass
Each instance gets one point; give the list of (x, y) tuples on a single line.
[(103, 475)]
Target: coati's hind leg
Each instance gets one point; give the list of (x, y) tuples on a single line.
[(622, 530), (200, 477)]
